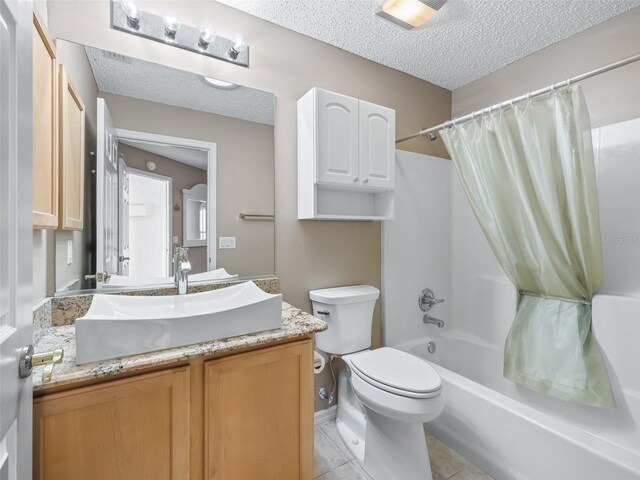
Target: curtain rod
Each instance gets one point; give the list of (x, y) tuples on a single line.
[(535, 93)]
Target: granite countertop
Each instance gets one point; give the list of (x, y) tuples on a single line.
[(295, 324)]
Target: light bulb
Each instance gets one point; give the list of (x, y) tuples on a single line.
[(171, 24), (207, 35), (238, 47), (132, 12)]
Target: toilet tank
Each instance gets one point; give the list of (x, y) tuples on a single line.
[(349, 313)]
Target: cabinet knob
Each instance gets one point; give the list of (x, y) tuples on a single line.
[(355, 179), (366, 180)]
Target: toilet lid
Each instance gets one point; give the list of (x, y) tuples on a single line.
[(398, 370)]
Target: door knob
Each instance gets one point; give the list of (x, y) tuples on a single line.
[(29, 359), (122, 258)]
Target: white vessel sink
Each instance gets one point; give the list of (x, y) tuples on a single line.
[(122, 325), (124, 281)]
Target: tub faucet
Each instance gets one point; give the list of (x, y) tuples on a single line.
[(426, 301), (429, 320), (181, 268)]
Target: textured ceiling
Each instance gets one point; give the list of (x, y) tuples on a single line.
[(188, 156), (135, 78), (466, 40)]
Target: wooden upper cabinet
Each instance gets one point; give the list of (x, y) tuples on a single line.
[(259, 415), (45, 129), (71, 158), (136, 428)]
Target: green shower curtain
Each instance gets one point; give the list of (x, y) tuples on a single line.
[(529, 174)]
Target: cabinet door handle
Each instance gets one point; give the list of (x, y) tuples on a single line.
[(355, 179)]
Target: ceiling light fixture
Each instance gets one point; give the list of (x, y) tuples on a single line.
[(214, 82), (132, 12), (171, 25), (207, 35), (410, 13)]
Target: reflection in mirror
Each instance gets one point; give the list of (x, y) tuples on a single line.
[(194, 216), (178, 161)]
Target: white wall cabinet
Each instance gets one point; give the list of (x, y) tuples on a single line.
[(346, 158)]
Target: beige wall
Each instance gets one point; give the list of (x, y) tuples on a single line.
[(182, 176), (308, 254), (245, 173), (611, 97)]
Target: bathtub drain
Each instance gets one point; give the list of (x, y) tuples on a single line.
[(431, 347)]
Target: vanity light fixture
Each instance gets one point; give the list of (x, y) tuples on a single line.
[(410, 13), (132, 12), (207, 35), (214, 82), (127, 17), (171, 25), (238, 47)]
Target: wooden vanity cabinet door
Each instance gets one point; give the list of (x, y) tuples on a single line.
[(136, 428), (45, 129), (71, 159), (259, 415)]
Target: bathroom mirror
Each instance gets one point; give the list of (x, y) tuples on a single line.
[(173, 159)]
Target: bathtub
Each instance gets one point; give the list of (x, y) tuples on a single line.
[(514, 433)]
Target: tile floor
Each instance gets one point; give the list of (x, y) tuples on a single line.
[(334, 462)]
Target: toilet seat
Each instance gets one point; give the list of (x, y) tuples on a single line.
[(396, 372)]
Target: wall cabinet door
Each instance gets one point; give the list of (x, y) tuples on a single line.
[(336, 138), (259, 415), (136, 428), (45, 129), (71, 159), (377, 145)]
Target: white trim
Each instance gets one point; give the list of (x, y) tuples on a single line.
[(326, 415), (169, 185), (212, 163)]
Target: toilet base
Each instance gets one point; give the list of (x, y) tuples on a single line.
[(385, 448)]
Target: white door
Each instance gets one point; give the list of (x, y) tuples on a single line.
[(337, 139), (15, 236), (123, 233), (377, 146), (107, 193)]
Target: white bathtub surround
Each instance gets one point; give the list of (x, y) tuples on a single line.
[(529, 174), (480, 307), (499, 434)]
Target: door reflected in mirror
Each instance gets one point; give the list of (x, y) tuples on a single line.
[(177, 163), (194, 216)]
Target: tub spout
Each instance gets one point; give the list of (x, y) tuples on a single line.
[(429, 320)]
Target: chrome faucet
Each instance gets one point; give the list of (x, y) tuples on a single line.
[(426, 301), (429, 320), (181, 269)]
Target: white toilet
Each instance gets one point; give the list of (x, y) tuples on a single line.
[(384, 396)]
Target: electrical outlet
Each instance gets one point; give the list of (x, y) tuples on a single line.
[(175, 240), (69, 252), (226, 242)]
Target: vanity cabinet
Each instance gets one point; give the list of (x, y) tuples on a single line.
[(45, 128), (138, 428), (346, 158), (243, 416), (71, 141), (259, 415)]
